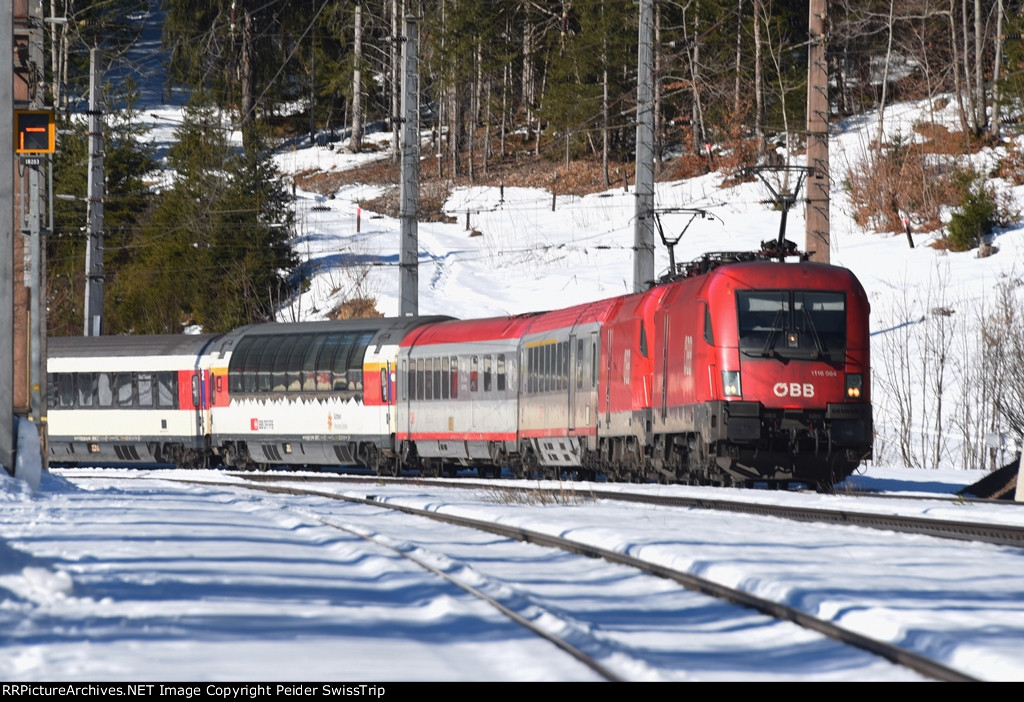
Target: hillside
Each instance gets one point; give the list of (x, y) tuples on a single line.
[(524, 250)]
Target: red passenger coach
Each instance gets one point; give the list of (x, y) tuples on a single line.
[(458, 394)]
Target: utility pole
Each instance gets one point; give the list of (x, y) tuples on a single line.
[(7, 445), (818, 229), (35, 280), (643, 222), (409, 259), (93, 322), (356, 142)]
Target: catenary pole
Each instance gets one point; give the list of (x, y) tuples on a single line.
[(643, 222), (7, 245), (93, 322), (818, 236), (408, 264)]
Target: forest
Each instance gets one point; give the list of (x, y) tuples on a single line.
[(506, 87)]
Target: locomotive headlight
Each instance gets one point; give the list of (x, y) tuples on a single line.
[(731, 384), (854, 385)]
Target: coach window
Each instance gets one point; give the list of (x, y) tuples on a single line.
[(104, 390), (307, 366), (446, 378), (145, 389), (438, 383), (236, 367), (279, 365), (529, 363), (563, 365), (333, 355), (487, 373), (165, 389), (356, 358), (580, 362), (455, 377), (83, 386), (265, 364), (247, 364), (249, 360), (501, 372), (473, 379), (123, 389), (420, 382), (293, 362), (66, 389)]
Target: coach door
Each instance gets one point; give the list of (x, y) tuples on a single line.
[(573, 385), (583, 385)]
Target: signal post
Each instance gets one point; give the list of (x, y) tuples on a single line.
[(29, 142)]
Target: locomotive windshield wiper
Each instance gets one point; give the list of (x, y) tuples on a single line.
[(769, 343), (818, 346)]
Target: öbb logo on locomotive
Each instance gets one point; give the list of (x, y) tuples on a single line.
[(751, 371), (793, 389)]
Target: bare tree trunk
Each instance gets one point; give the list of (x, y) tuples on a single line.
[(972, 111), (699, 133), (529, 87), (356, 142), (604, 105), (738, 64), (758, 80), (885, 77), (981, 102), (505, 77), (957, 83), (997, 95), (246, 76)]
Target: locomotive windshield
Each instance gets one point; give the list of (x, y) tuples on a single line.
[(792, 323)]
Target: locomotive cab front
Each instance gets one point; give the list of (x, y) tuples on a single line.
[(787, 395)]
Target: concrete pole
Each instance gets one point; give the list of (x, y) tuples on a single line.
[(408, 264), (93, 322), (643, 222), (7, 445), (818, 230), (37, 299)]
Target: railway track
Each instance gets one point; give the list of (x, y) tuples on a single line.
[(960, 530), (781, 612), (522, 619)]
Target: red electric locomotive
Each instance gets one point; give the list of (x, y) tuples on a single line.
[(761, 372)]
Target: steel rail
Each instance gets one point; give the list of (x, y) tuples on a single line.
[(997, 534), (776, 610)]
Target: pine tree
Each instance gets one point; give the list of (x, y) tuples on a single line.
[(215, 252)]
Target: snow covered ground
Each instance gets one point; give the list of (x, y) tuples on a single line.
[(140, 580), (126, 576)]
